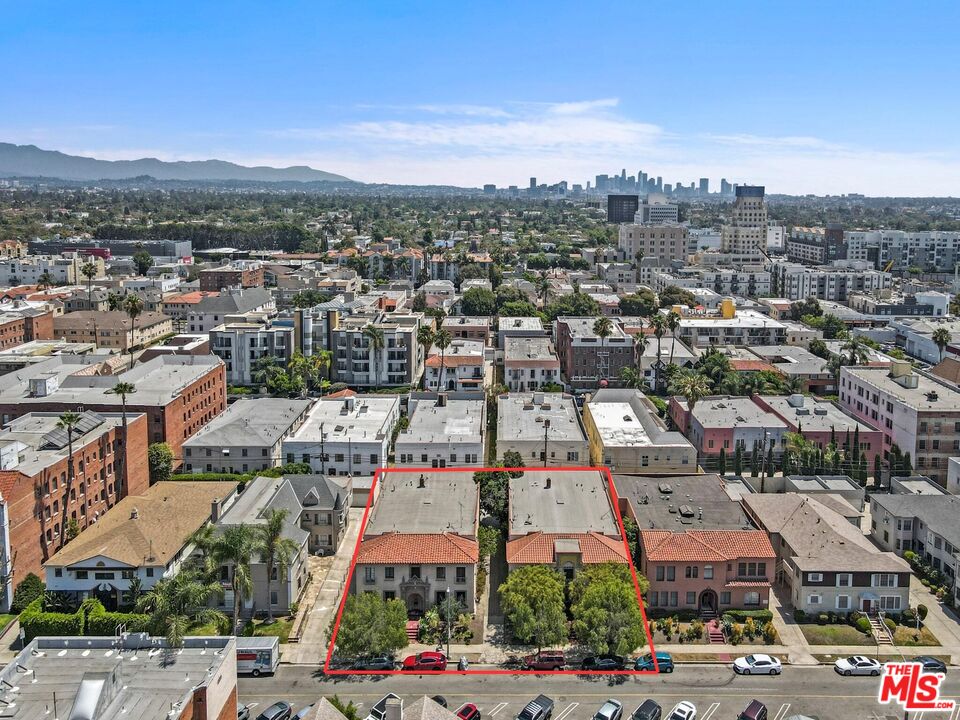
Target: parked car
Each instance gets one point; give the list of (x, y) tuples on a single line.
[(757, 665), (468, 711), (376, 662), (540, 708), (278, 711), (857, 665), (603, 662), (545, 660), (243, 712), (756, 710), (426, 661), (379, 709), (440, 700), (930, 664), (685, 710), (647, 710), (664, 662), (610, 710), (303, 712)]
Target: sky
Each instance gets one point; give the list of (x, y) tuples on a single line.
[(811, 97)]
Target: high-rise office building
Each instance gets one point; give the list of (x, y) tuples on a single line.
[(659, 185), (724, 187), (747, 229), (704, 186), (602, 183), (533, 183), (622, 208)]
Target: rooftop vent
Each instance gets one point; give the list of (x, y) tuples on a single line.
[(134, 514), (664, 488), (932, 396)]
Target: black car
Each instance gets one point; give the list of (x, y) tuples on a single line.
[(243, 712), (603, 662), (277, 711), (648, 710), (439, 700), (377, 662), (930, 664)]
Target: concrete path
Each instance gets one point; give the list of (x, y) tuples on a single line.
[(312, 648), (791, 637)]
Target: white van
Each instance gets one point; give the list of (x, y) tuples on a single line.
[(257, 655)]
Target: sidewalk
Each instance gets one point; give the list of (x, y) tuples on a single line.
[(312, 648)]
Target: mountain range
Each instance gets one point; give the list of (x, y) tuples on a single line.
[(31, 161)]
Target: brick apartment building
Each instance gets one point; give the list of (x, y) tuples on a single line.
[(178, 393), (36, 499), (112, 329), (585, 359), (237, 274), (17, 328)]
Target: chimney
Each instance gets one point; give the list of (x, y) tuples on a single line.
[(215, 509), (441, 399), (134, 514), (350, 403), (546, 485), (422, 483)]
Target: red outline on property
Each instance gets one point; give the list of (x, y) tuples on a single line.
[(614, 498)]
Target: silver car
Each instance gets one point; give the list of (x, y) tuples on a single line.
[(610, 710), (857, 665)]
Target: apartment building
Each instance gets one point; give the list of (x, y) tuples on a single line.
[(112, 329), (747, 229), (544, 428), (239, 273), (816, 245), (243, 339), (518, 327), (461, 367), (799, 282), (443, 432), (52, 269), (212, 310), (627, 436), (40, 505), (530, 363), (663, 241), (345, 436), (358, 363), (586, 359), (750, 281), (728, 326), (462, 327), (932, 250), (922, 304), (726, 423), (247, 437), (918, 413)]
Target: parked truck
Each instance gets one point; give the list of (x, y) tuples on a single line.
[(540, 708), (257, 655)]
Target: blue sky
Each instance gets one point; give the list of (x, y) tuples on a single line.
[(803, 97)]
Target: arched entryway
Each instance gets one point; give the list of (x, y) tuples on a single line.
[(707, 602), (415, 605)]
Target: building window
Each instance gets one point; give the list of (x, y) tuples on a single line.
[(671, 573), (388, 573), (889, 602), (389, 595), (691, 571), (673, 599), (441, 573), (843, 602), (414, 572), (884, 580), (369, 574), (708, 572), (660, 573), (814, 577), (461, 574), (81, 574), (274, 599), (725, 598), (691, 597), (461, 596), (844, 579), (813, 599)]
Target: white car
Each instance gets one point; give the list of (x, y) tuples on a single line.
[(610, 710), (685, 710), (857, 665), (757, 665)]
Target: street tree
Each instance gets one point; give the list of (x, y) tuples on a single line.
[(533, 605)]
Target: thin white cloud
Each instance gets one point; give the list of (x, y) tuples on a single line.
[(583, 107)]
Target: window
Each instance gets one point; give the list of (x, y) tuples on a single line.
[(149, 572), (58, 572), (751, 598), (673, 599), (691, 597), (389, 595), (461, 596), (653, 599), (725, 598), (708, 572), (369, 574), (844, 579), (461, 574), (691, 571), (843, 602), (414, 572), (814, 577), (889, 602), (441, 573), (814, 599), (671, 573), (388, 573), (274, 598), (884, 580), (660, 573), (81, 574)]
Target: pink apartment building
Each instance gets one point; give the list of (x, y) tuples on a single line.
[(708, 571)]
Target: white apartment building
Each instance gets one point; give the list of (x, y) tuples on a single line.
[(345, 436), (657, 211), (61, 269), (799, 282), (936, 250), (359, 364), (743, 281), (529, 363), (664, 241), (443, 432), (243, 339), (544, 428), (461, 367), (747, 229)]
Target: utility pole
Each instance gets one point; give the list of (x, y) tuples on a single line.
[(546, 429), (448, 621), (323, 457)]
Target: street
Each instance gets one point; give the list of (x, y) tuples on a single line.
[(718, 694)]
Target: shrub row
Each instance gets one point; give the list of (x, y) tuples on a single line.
[(90, 619), (759, 616)]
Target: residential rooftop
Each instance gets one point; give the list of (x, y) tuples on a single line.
[(812, 414), (624, 418), (929, 395), (523, 349), (251, 423), (680, 502), (360, 417), (520, 324), (561, 501), (792, 359), (520, 417), (415, 502), (724, 411), (460, 421), (582, 327)]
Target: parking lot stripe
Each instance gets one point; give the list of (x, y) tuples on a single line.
[(567, 710), (497, 708), (782, 712), (711, 711)]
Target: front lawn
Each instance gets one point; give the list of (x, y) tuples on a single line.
[(6, 619), (909, 637), (280, 628), (835, 635)]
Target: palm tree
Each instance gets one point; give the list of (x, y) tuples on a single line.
[(320, 362), (659, 324), (425, 338), (941, 337), (276, 551), (375, 337), (442, 340), (68, 421), (176, 603), (673, 323), (603, 328), (233, 547), (691, 385), (122, 389), (858, 350), (543, 288), (45, 281), (89, 271), (133, 305), (631, 377)]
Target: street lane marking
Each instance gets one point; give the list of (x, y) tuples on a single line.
[(782, 712), (497, 708), (567, 710), (711, 710)]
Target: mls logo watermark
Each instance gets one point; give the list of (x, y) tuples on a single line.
[(906, 684)]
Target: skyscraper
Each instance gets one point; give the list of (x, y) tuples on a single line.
[(533, 183), (704, 186), (724, 187), (622, 208), (747, 229)]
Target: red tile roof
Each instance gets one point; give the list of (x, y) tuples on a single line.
[(450, 361), (429, 549), (537, 548), (340, 394), (705, 545), (751, 365), (747, 583)]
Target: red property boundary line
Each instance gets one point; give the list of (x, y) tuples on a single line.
[(614, 500)]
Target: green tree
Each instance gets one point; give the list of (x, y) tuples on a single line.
[(533, 605), (28, 590), (442, 340), (738, 461), (642, 303), (856, 349), (513, 459), (659, 324), (603, 328), (175, 604), (89, 271), (493, 486), (232, 547), (68, 421), (479, 301), (692, 386), (276, 550), (160, 462), (722, 462), (941, 338), (133, 306), (605, 611), (371, 625), (143, 261), (376, 339), (122, 390), (673, 295)]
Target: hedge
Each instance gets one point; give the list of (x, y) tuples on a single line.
[(91, 619), (34, 621), (759, 616), (212, 477), (101, 622), (681, 615)]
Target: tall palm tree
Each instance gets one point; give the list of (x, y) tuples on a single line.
[(122, 389), (376, 339), (603, 328), (543, 288), (941, 337), (233, 548), (659, 324), (692, 386), (133, 306), (425, 338), (89, 271), (68, 421), (276, 551), (673, 323), (857, 349), (176, 603), (442, 340), (45, 280), (320, 362)]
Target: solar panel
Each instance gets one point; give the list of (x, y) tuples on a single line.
[(57, 439)]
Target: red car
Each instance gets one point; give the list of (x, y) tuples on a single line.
[(425, 661), (469, 711)]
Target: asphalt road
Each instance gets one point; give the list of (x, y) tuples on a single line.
[(718, 694)]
